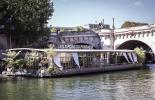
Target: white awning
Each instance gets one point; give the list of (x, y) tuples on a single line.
[(57, 61), (76, 59), (130, 56), (134, 57), (126, 57)]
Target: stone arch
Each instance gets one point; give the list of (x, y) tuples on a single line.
[(131, 44), (93, 42), (135, 43), (86, 37), (89, 44)]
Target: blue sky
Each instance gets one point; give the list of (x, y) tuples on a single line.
[(81, 12)]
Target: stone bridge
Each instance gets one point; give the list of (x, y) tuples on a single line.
[(124, 38), (131, 38), (76, 38)]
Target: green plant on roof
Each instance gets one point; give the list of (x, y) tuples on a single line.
[(31, 58), (140, 54), (10, 56), (12, 61), (50, 54)]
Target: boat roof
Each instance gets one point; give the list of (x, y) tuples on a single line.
[(73, 50)]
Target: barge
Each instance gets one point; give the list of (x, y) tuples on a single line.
[(69, 62)]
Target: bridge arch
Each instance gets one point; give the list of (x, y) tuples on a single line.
[(81, 38), (132, 44), (92, 46)]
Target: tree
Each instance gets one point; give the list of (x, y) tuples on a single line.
[(25, 20), (140, 54), (79, 29), (62, 30), (53, 30), (132, 24), (12, 61)]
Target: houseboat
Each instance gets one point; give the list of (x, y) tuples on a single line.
[(69, 62)]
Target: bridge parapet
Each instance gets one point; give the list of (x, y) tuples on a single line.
[(135, 29), (140, 32)]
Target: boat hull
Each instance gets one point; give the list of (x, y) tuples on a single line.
[(108, 68)]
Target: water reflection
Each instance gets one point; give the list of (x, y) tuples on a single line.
[(125, 85)]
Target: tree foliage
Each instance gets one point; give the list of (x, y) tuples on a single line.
[(12, 61), (53, 30), (79, 29), (25, 20), (62, 30), (140, 54), (132, 24)]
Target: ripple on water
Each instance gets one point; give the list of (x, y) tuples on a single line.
[(124, 85)]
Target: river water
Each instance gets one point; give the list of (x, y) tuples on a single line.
[(122, 85)]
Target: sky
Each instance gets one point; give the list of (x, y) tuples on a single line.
[(70, 13)]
